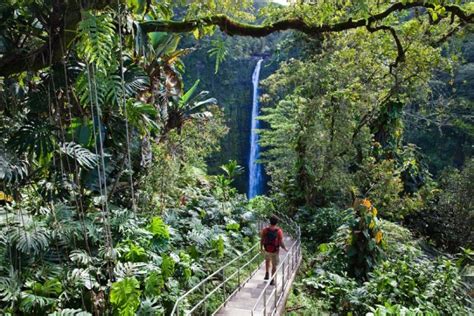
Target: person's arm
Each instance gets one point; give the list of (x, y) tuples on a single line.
[(262, 233), (282, 244)]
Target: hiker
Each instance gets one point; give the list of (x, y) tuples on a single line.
[(271, 240)]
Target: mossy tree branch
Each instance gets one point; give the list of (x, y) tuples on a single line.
[(233, 27), (33, 60)]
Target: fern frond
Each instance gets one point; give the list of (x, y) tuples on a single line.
[(219, 51)]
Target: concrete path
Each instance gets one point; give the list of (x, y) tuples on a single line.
[(245, 299)]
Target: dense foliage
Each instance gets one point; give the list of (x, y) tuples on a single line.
[(106, 204)]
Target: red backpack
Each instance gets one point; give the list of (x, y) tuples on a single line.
[(271, 242)]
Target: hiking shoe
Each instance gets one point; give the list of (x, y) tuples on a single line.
[(272, 282), (266, 276)]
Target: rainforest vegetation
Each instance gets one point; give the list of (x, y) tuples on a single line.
[(124, 142)]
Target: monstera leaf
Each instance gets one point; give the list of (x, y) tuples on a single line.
[(125, 296), (84, 157), (35, 138)]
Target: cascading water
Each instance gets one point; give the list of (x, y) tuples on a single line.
[(255, 169)]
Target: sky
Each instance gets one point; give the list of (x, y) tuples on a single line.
[(284, 2)]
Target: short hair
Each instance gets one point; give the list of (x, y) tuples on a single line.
[(273, 220)]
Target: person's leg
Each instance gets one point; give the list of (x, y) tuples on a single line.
[(267, 265), (275, 261)]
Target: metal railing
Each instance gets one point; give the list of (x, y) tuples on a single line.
[(245, 264), (286, 269)]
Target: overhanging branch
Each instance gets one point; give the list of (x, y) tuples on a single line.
[(63, 35), (400, 52), (233, 27)]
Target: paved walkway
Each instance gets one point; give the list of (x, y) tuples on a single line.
[(244, 300)]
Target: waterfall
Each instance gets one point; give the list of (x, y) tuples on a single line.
[(255, 169)]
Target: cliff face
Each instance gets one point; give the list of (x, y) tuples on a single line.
[(232, 87)]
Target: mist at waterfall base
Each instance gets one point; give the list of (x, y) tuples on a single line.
[(256, 184)]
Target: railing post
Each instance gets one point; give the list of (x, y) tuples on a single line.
[(238, 277), (276, 293), (204, 295), (223, 285), (283, 277), (264, 302), (276, 288)]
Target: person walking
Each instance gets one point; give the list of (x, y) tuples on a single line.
[(271, 239)]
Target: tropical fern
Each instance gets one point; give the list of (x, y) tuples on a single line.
[(219, 51)]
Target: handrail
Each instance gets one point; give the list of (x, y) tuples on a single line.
[(295, 251), (175, 309), (293, 229)]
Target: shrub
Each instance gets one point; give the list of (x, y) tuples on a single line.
[(364, 246), (318, 225), (413, 282), (404, 280), (449, 218)]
